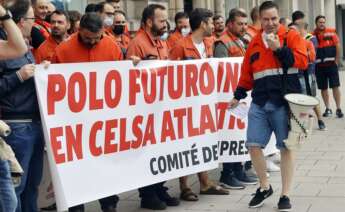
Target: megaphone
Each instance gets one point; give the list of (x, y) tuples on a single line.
[(301, 120)]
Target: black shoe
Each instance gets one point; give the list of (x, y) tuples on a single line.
[(339, 113), (152, 203), (284, 204), (164, 196), (229, 181), (245, 179), (327, 113), (322, 125), (259, 197)]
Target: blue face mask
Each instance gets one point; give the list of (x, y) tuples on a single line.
[(165, 36)]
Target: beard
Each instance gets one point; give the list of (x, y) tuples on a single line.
[(158, 32), (57, 34)]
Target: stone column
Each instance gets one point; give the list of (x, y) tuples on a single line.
[(179, 5), (199, 4), (219, 7), (330, 13)]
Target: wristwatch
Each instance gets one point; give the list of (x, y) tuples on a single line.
[(7, 16)]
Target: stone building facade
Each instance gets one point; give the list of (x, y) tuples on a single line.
[(334, 10)]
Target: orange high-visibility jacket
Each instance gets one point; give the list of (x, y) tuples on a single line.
[(262, 68)]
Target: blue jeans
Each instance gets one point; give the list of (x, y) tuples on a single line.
[(8, 199), (27, 143)]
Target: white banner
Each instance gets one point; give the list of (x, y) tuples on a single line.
[(111, 127)]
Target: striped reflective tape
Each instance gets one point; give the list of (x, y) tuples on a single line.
[(273, 72)]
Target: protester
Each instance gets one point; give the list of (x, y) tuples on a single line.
[(327, 61), (233, 44), (14, 47), (41, 30), (90, 44), (19, 109), (308, 77), (196, 46), (182, 28), (118, 31), (147, 46), (219, 26), (277, 49), (59, 25)]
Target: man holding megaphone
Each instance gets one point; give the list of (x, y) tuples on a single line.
[(271, 53)]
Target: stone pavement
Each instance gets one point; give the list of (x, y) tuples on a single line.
[(319, 183)]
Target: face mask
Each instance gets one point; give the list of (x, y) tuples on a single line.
[(165, 36), (185, 31), (118, 29), (108, 21)]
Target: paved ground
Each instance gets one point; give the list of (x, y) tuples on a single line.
[(319, 183)]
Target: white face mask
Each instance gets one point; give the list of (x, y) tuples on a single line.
[(108, 21), (185, 31), (165, 36)]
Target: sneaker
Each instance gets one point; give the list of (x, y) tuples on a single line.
[(152, 203), (284, 204), (259, 197), (246, 180), (229, 181), (327, 113), (164, 196), (322, 125), (339, 113), (272, 167)]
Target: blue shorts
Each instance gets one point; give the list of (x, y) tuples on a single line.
[(262, 121)]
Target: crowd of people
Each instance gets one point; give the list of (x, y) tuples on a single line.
[(36, 32)]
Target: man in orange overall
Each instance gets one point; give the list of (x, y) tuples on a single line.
[(270, 69), (147, 45), (197, 46), (233, 44), (90, 44)]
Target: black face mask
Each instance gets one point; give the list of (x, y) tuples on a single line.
[(118, 29)]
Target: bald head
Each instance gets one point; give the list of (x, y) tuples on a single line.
[(41, 8)]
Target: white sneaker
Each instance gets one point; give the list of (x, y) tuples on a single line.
[(272, 167), (275, 158)]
